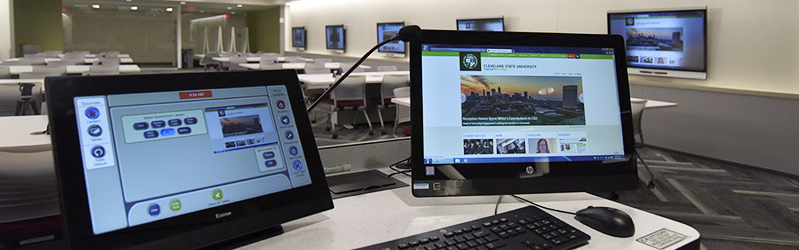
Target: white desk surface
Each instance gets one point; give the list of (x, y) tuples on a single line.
[(655, 103), (368, 219), (328, 65), (406, 101), (85, 60), (95, 55), (253, 59), (16, 136), (371, 77), (74, 69)]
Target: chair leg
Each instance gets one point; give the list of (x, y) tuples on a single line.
[(382, 125), (368, 122)]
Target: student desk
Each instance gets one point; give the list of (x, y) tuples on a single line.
[(16, 136), (328, 65), (372, 218), (74, 69)]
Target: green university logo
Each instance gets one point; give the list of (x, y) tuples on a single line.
[(470, 61)]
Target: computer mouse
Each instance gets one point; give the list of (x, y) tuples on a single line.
[(607, 220)]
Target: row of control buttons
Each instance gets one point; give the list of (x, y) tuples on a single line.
[(161, 124), (166, 132)]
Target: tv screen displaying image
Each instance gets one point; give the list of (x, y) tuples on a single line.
[(298, 37), (334, 37), (669, 42), (483, 24), (386, 31)]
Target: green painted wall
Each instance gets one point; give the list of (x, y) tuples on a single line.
[(38, 22), (264, 26)]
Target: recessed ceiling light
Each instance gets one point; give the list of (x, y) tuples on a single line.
[(134, 7), (233, 13), (182, 2), (239, 5), (230, 8), (168, 9), (95, 6), (128, 0)]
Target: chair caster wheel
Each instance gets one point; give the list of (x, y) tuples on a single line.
[(327, 129), (313, 120), (371, 132), (335, 136), (651, 184)]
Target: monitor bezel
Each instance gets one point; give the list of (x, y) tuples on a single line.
[(343, 35), (195, 229), (662, 71), (607, 175), (304, 37), (502, 19), (380, 49)]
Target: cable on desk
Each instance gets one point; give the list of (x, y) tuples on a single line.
[(499, 200), (534, 204), (398, 170)]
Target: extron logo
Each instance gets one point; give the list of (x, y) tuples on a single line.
[(470, 61)]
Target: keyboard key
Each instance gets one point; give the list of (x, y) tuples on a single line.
[(495, 245), (433, 238), (402, 246)]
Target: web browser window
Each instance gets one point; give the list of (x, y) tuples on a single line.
[(484, 104)]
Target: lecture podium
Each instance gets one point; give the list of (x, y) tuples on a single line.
[(367, 219)]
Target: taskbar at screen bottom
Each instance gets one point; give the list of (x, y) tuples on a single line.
[(520, 159)]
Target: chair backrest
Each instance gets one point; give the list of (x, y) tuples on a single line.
[(74, 55), (30, 49), (294, 59), (110, 61), (322, 60), (234, 64), (352, 88), (32, 61), (52, 54), (60, 69), (208, 58), (387, 68), (231, 54), (403, 112), (402, 92), (38, 75), (268, 59), (110, 54), (5, 73), (316, 68), (391, 82), (96, 70), (66, 61), (637, 107), (266, 65), (345, 66)]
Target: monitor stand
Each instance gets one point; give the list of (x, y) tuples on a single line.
[(410, 200)]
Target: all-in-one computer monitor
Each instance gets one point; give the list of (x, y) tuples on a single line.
[(511, 113), (482, 24), (298, 39), (666, 42), (386, 31), (335, 38), (184, 160)]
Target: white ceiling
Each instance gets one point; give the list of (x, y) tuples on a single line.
[(199, 6)]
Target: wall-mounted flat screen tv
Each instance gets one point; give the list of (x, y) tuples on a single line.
[(386, 31), (335, 38), (664, 42), (298, 39), (482, 24)]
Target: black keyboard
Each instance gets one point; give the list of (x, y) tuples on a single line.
[(524, 228)]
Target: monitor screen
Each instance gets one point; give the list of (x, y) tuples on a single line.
[(386, 31), (167, 158), (335, 37), (508, 113), (298, 37), (483, 24), (663, 42)]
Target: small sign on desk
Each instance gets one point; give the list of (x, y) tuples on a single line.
[(662, 238)]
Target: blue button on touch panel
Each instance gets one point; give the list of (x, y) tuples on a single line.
[(168, 131)]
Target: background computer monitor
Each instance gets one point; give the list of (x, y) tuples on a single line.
[(512, 113), (386, 31), (335, 38), (482, 24), (665, 42), (298, 39), (182, 161)]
